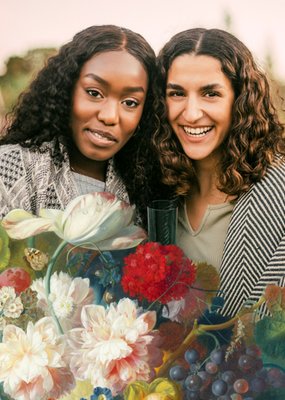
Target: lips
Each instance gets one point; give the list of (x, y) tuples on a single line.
[(101, 135)]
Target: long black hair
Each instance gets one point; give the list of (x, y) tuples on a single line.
[(42, 113)]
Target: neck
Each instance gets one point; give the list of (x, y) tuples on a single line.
[(206, 173), (207, 181), (84, 166)]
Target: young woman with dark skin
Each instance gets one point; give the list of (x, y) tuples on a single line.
[(222, 152), (83, 125)]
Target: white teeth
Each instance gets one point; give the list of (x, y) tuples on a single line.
[(197, 131), (98, 135)]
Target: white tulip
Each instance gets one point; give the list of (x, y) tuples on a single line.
[(95, 221)]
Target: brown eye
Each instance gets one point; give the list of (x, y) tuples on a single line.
[(175, 93), (130, 103), (94, 93), (212, 94)]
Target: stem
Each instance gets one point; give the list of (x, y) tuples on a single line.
[(31, 241), (217, 345), (47, 283), (199, 330)]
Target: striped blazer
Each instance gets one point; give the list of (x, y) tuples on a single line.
[(254, 251)]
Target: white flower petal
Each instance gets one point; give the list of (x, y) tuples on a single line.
[(20, 224), (27, 358), (68, 296), (79, 289), (92, 316), (127, 238), (96, 220), (114, 346)]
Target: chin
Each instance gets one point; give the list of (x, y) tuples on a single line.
[(98, 156)]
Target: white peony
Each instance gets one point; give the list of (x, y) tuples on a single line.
[(68, 295), (32, 363)]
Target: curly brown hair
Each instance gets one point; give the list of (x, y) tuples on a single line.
[(42, 113), (256, 134)]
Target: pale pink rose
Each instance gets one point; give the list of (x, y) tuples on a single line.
[(32, 365), (115, 346)]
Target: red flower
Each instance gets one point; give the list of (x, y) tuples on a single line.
[(16, 277), (158, 272)]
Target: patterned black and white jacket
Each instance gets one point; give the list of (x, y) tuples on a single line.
[(33, 180), (254, 251)]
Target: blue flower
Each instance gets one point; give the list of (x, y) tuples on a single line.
[(101, 394)]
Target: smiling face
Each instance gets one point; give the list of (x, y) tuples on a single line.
[(108, 102), (199, 99)]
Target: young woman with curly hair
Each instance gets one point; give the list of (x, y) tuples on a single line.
[(83, 125), (222, 152)]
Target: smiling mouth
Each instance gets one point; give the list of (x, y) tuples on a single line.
[(197, 131), (102, 135)]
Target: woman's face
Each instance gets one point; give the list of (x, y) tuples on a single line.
[(199, 99), (108, 102)]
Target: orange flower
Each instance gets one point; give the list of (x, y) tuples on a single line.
[(274, 296)]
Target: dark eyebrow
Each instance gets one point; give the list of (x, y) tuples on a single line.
[(213, 86), (127, 89), (206, 87), (174, 86)]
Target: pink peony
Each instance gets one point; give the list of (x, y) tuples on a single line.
[(115, 346)]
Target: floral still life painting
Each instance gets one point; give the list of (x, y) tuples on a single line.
[(92, 310)]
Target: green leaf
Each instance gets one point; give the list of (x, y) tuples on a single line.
[(4, 248), (269, 334)]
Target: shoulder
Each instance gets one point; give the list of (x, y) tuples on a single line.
[(10, 148), (114, 183), (268, 193), (278, 164), (18, 149), (13, 154), (26, 154), (275, 175)]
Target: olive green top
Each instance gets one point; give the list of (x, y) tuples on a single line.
[(207, 242)]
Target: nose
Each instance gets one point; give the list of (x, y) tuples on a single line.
[(193, 110), (109, 112)]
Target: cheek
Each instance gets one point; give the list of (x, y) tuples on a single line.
[(76, 115), (226, 116), (130, 122), (169, 111), (228, 110), (79, 112), (172, 110), (221, 113), (79, 116)]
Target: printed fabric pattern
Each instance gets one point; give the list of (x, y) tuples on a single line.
[(34, 179), (254, 251)]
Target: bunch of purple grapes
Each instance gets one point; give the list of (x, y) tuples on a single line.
[(238, 376)]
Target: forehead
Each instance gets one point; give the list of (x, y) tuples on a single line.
[(197, 68), (114, 63)]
